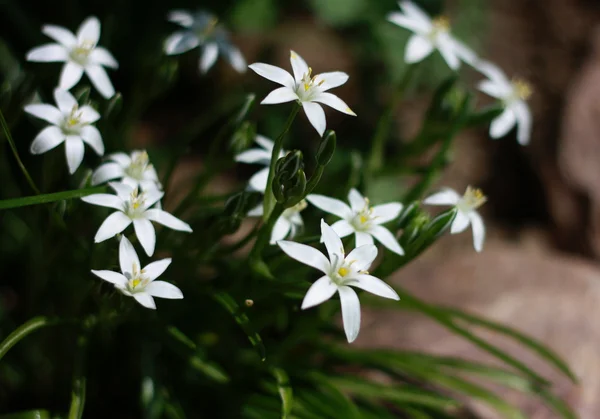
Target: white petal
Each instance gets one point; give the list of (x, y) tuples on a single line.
[(255, 155), (494, 89), (48, 53), (257, 211), (145, 299), (114, 224), (103, 57), (121, 158), (363, 238), (106, 172), (89, 115), (375, 286), (411, 10), (209, 56), (448, 51), (460, 223), (152, 197), (70, 75), (332, 241), (414, 25), (163, 289), (236, 59), (181, 42), (342, 228), (89, 31), (100, 80), (123, 191), (265, 143), (335, 102), (128, 258), (385, 237), (92, 137), (305, 254), (299, 66), (104, 200), (350, 312), (181, 17), (462, 51), (478, 230), (168, 220), (493, 72), (60, 34), (321, 290), (280, 230), (362, 257), (47, 139), (279, 95), (74, 151), (524, 121), (330, 205), (112, 277), (64, 100), (156, 269), (417, 48), (46, 112), (503, 124), (357, 201), (386, 212), (276, 74), (331, 79), (145, 234), (446, 196), (316, 116), (258, 181)]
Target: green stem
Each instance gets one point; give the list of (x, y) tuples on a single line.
[(16, 154), (269, 200), (78, 388), (51, 197), (264, 235), (24, 330)]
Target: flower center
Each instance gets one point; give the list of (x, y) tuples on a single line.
[(307, 85), (441, 24), (364, 218), (139, 165), (471, 200), (81, 52), (72, 123), (521, 89), (206, 31), (135, 206), (343, 271), (138, 281)]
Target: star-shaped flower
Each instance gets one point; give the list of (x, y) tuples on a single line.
[(341, 273), (70, 124), (80, 54), (429, 35), (513, 94), (361, 219), (261, 155), (134, 170), (306, 89), (466, 215), (288, 223), (140, 283), (134, 207), (202, 29)]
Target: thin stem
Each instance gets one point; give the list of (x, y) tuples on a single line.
[(269, 200), (51, 197), (24, 330), (16, 154), (78, 388)]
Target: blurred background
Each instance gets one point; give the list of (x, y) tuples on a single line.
[(539, 270)]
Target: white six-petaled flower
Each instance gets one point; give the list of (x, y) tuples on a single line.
[(140, 283), (134, 207), (202, 29), (134, 170), (513, 94), (70, 124), (341, 273), (466, 214), (288, 223), (306, 89), (429, 35), (361, 219), (80, 54), (261, 155)]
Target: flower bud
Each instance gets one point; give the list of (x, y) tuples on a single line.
[(243, 137), (326, 148), (289, 182)]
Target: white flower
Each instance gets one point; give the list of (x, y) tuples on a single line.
[(261, 155), (361, 219), (288, 223), (201, 28), (134, 170), (80, 54), (140, 283), (429, 34), (341, 273), (513, 95), (70, 124), (466, 211), (304, 88), (134, 207)]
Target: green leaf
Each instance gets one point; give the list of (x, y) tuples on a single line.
[(254, 15), (28, 414), (51, 197), (24, 330), (285, 392), (340, 12)]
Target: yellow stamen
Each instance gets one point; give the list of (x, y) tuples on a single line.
[(343, 272), (523, 90), (441, 23), (135, 283), (474, 197), (363, 219)]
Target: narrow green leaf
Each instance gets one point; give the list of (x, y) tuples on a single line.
[(24, 330), (51, 197), (285, 392), (29, 414)]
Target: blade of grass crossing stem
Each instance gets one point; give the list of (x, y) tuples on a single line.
[(285, 392), (51, 197), (242, 320)]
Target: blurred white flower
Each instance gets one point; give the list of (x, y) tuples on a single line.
[(70, 124), (260, 155), (429, 35), (341, 273), (140, 283), (466, 215), (134, 170), (202, 29), (80, 54), (288, 223), (361, 219), (134, 207), (306, 89), (513, 94)]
